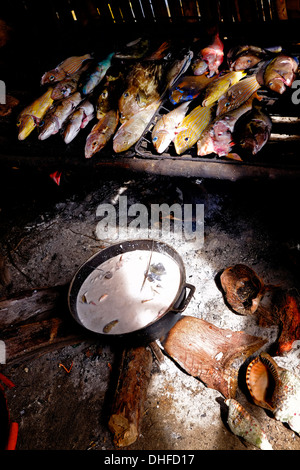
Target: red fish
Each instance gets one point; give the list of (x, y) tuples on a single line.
[(212, 55)]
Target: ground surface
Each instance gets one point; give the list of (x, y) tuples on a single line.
[(48, 231)]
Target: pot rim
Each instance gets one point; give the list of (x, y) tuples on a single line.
[(123, 247)]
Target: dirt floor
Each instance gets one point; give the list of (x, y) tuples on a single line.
[(47, 231)]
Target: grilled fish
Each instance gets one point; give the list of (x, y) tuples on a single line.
[(237, 95), (58, 114), (219, 86), (217, 138), (101, 133), (131, 130), (32, 115), (65, 69), (191, 128), (163, 133), (79, 119)]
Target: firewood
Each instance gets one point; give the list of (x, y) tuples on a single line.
[(208, 353), (130, 395), (34, 339), (30, 304)]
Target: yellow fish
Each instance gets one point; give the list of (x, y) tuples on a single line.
[(237, 95), (192, 127), (31, 116), (219, 86)]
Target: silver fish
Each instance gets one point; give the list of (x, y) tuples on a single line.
[(79, 119), (58, 114), (165, 128), (131, 130)]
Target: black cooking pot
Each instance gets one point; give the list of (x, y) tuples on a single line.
[(156, 329)]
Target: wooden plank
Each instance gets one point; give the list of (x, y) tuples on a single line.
[(190, 9), (37, 338), (248, 11), (115, 11), (267, 10), (31, 303), (125, 10), (138, 12), (175, 10), (104, 13), (209, 11), (148, 12), (160, 10)]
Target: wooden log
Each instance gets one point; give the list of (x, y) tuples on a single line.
[(130, 395), (208, 352), (31, 303), (34, 339)]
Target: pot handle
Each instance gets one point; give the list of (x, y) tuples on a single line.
[(187, 299)]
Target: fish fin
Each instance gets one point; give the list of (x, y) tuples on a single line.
[(234, 156)]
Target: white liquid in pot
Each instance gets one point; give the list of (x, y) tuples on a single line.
[(118, 298)]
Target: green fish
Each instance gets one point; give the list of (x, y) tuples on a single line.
[(97, 75)]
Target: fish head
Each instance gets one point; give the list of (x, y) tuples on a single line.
[(103, 103), (205, 146), (277, 84), (52, 76), (73, 127), (161, 140), (245, 62), (130, 103), (185, 139), (94, 144), (176, 96), (255, 135), (199, 67), (48, 128), (25, 125)]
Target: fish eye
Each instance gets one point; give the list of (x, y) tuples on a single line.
[(19, 122), (186, 139), (155, 139), (125, 94), (41, 123), (104, 94), (51, 78)]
